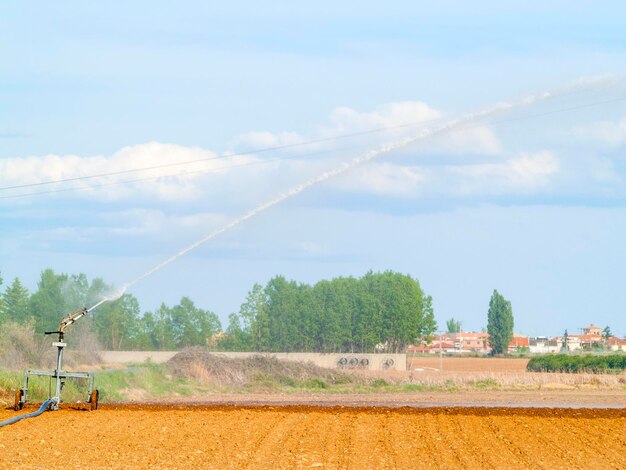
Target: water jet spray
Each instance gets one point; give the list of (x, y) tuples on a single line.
[(450, 126)]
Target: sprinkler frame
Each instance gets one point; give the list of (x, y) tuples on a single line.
[(21, 396)]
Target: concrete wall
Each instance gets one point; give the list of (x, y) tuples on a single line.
[(125, 357), (331, 361)]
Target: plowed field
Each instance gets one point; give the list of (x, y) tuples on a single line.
[(158, 436)]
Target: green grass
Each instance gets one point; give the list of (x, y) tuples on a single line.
[(315, 384), (151, 379), (485, 384), (40, 388), (380, 383), (10, 380)]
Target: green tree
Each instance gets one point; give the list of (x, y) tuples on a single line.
[(368, 321), (14, 305), (117, 323), (406, 311), (254, 331), (60, 294), (283, 314), (345, 314), (565, 346), (499, 323), (454, 326), (48, 304), (146, 336), (192, 326), (233, 340), (606, 334)]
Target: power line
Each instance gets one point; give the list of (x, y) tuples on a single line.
[(184, 173), (268, 149), (217, 157)]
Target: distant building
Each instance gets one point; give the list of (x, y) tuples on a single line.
[(472, 342), (584, 341), (465, 342), (517, 342), (617, 344), (592, 330), (543, 345)]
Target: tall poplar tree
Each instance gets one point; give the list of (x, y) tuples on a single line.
[(454, 326), (499, 323)]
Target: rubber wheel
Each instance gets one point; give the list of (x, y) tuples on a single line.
[(19, 404), (93, 400)]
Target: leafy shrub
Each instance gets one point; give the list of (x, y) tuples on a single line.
[(572, 364)]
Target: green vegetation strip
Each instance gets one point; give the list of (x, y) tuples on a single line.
[(587, 363)]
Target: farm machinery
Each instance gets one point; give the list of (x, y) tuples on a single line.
[(59, 375)]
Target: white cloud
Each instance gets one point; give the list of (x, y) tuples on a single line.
[(346, 120), (264, 139), (139, 224), (168, 172), (465, 162), (523, 173), (480, 140), (606, 133), (178, 174), (384, 179), (405, 118), (389, 122), (142, 222)]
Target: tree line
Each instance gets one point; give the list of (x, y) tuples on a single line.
[(116, 325), (379, 311)]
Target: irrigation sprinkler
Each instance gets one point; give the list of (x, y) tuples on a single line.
[(60, 375)]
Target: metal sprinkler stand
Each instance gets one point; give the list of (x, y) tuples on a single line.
[(21, 396)]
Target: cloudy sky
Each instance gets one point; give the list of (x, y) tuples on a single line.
[(130, 130)]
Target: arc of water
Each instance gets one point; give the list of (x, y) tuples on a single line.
[(348, 166)]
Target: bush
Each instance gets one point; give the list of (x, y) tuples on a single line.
[(198, 364), (572, 364), (20, 347)]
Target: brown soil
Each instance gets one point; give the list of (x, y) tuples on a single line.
[(557, 398), (223, 436)]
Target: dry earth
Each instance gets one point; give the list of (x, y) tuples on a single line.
[(592, 398), (468, 364), (221, 436)]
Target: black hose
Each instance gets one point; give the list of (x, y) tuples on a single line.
[(46, 404)]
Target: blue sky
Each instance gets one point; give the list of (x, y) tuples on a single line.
[(530, 201)]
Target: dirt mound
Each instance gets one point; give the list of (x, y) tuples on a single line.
[(264, 370)]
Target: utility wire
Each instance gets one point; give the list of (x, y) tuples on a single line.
[(238, 154), (268, 149), (184, 173), (275, 148)]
